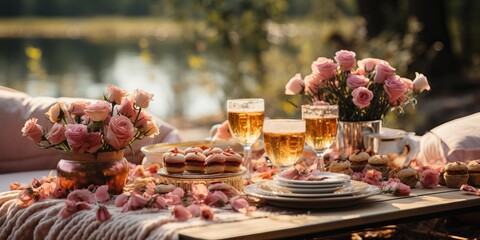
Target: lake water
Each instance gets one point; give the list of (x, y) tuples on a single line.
[(83, 68)]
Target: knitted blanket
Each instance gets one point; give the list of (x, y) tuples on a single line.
[(41, 221)]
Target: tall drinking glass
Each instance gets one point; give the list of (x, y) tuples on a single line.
[(245, 120), (284, 140), (321, 123)]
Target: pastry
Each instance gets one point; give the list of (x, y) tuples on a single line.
[(233, 161), (175, 150), (215, 163), (358, 161), (341, 167), (474, 173), (441, 179), (379, 163), (408, 176), (456, 174), (193, 149), (195, 162), (174, 162), (213, 150)]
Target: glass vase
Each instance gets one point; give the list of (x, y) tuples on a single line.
[(78, 171), (353, 136)]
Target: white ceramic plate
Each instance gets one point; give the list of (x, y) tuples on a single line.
[(322, 189), (311, 203), (270, 188), (320, 179), (312, 186)]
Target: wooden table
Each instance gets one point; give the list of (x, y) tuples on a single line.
[(378, 210)]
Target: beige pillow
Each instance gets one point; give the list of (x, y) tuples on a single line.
[(457, 140), (21, 154)]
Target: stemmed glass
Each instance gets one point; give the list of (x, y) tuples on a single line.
[(245, 120), (284, 140), (321, 123)]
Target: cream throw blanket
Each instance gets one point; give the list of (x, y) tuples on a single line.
[(41, 221)]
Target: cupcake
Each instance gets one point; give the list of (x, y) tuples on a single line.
[(358, 161), (215, 163), (233, 161), (195, 162), (474, 173), (341, 167), (379, 163), (456, 174), (174, 162), (441, 180), (408, 176)]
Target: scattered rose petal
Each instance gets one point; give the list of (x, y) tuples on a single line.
[(180, 213), (206, 212), (430, 178), (102, 214), (101, 194)]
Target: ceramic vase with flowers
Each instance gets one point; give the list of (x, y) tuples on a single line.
[(92, 137), (365, 91)]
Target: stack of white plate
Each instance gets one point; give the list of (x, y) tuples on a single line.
[(323, 190)]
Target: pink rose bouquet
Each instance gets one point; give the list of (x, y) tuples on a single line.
[(91, 127), (364, 90)]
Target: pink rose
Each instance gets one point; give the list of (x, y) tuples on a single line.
[(127, 109), (172, 199), (180, 213), (94, 142), (362, 97), (408, 84), (32, 130), (57, 112), (77, 135), (430, 178), (368, 64), (360, 71), (323, 68), (312, 84), (420, 83), (206, 213), (102, 214), (101, 194), (223, 132), (150, 129), (346, 59), (356, 81), (142, 98), (295, 85), (98, 111), (56, 134), (78, 108), (384, 70), (395, 89), (115, 94), (119, 132)]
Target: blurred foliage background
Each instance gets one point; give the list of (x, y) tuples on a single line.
[(193, 55)]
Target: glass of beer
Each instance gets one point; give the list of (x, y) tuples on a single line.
[(284, 140), (245, 120), (321, 123)]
